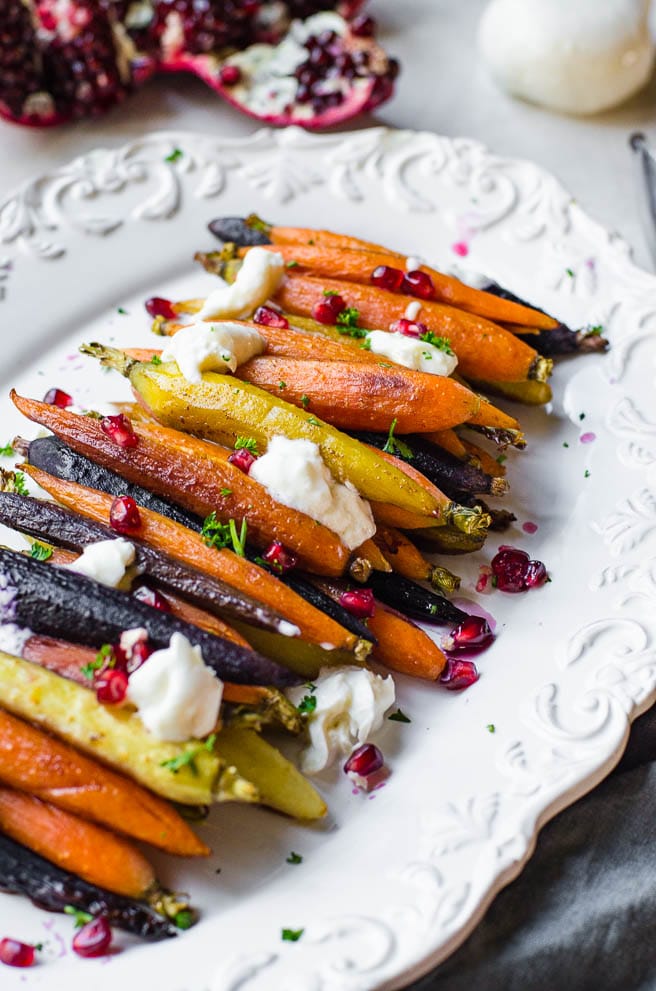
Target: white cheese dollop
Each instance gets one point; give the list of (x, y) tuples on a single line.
[(411, 352), (413, 310), (178, 697), (351, 705), (106, 561), (578, 57), (258, 278), (212, 347), (294, 473)]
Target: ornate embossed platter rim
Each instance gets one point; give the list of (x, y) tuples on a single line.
[(390, 886)]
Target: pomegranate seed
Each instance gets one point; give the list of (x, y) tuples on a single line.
[(158, 307), (57, 397), (386, 277), (408, 327), (138, 656), (458, 675), (536, 574), (16, 954), (363, 26), (152, 598), (268, 317), (419, 284), (124, 515), (359, 603), (119, 429), (93, 939), (111, 686), (230, 75), (279, 557), (242, 459), (364, 760), (472, 632), (328, 309)]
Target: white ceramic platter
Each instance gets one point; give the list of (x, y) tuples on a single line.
[(393, 882)]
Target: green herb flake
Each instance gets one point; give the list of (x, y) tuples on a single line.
[(186, 759), (565, 444), (282, 385), (366, 345), (351, 330), (307, 705), (348, 317), (19, 485), (81, 918), (330, 292), (305, 401), (569, 271), (313, 420), (175, 155), (433, 609), (581, 416), (122, 311), (184, 919), (156, 360), (220, 535), (294, 858), (6, 451), (292, 264), (491, 728), (441, 343), (595, 331), (502, 458), (104, 658), (395, 446), (249, 443), (399, 717), (40, 552), (292, 935), (586, 473), (226, 492), (238, 539)]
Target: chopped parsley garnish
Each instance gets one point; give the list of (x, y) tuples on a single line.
[(433, 609), (6, 451), (348, 317), (501, 458), (282, 385), (156, 360), (309, 702), (568, 271), (352, 330), (595, 331), (184, 919), (81, 918), (292, 935), (249, 443), (122, 311), (188, 758), (40, 552), (581, 416), (104, 657), (220, 535), (441, 343), (175, 155), (294, 858), (565, 444), (491, 728), (399, 717), (395, 446), (330, 292), (586, 473), (226, 492), (292, 264), (18, 484), (313, 420), (366, 345), (305, 401)]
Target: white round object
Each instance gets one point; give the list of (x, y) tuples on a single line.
[(576, 56)]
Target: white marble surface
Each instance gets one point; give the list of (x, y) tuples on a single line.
[(442, 88)]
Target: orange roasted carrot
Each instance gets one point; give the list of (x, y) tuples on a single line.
[(372, 555), (357, 262), (485, 460), (364, 396), (404, 647), (484, 350), (449, 441), (196, 475), (81, 847), (184, 545), (404, 557), (35, 762), (490, 416)]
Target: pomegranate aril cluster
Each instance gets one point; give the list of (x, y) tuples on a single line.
[(409, 328), (514, 571), (119, 429), (328, 308), (415, 283), (242, 459), (279, 558), (472, 635), (327, 63)]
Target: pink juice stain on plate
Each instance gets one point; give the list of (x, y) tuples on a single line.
[(460, 248), (529, 527), (588, 437)]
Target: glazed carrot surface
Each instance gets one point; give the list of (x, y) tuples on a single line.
[(355, 263), (404, 557), (184, 545), (35, 762), (197, 475), (484, 350), (404, 647), (81, 847)]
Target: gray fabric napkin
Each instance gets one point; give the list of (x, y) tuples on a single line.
[(582, 915)]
